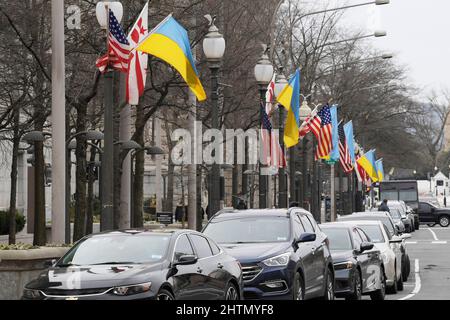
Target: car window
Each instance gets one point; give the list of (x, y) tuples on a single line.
[(298, 227), (201, 246), (313, 222), (363, 235), (339, 239), (307, 224), (357, 238), (215, 249), (389, 235), (374, 232), (183, 248)]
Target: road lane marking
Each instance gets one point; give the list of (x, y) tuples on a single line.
[(411, 242), (418, 285), (439, 242), (434, 234)]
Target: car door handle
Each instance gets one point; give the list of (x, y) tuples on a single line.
[(313, 250), (199, 270), (220, 266)]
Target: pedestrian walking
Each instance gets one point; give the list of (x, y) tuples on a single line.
[(384, 206), (241, 205), (179, 212)]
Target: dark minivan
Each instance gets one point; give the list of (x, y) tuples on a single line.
[(283, 252)]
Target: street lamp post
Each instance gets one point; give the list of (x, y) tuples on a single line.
[(263, 75), (107, 216), (305, 112), (214, 50), (280, 84)]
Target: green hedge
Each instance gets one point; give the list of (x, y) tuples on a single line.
[(4, 222)]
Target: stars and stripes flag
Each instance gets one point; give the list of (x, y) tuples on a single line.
[(325, 135), (344, 153), (311, 124), (270, 96), (272, 152), (118, 55), (137, 74)]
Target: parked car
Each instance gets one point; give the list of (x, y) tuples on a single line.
[(416, 217), (390, 252), (283, 253), (407, 218), (358, 265), (141, 265), (432, 215), (387, 221), (397, 217)]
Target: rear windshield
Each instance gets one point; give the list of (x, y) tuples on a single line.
[(339, 239)]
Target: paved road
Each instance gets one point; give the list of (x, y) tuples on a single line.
[(429, 251)]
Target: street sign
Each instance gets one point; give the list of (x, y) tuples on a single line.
[(165, 218)]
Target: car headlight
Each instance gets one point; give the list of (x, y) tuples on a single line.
[(344, 265), (278, 261), (32, 294), (134, 289)]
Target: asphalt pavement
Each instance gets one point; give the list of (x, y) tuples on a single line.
[(429, 252)]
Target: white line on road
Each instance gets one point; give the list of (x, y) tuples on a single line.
[(434, 234), (411, 242), (418, 282), (439, 242)]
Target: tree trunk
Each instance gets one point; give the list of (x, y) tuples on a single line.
[(81, 175), (13, 191), (170, 185)]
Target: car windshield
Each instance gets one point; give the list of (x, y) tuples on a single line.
[(395, 214), (117, 249), (339, 239), (249, 230), (384, 219), (374, 232)]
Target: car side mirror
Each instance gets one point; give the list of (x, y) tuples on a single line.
[(396, 239), (186, 260), (366, 246), (49, 263), (306, 237)]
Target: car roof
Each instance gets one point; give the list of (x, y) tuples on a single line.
[(366, 222), (226, 213), (370, 213), (338, 224), (145, 231)]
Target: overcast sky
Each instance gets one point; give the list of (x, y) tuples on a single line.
[(417, 33)]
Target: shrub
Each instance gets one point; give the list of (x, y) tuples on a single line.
[(4, 222)]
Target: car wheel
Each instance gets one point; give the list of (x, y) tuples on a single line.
[(400, 283), (297, 291), (165, 295), (357, 288), (405, 267), (431, 225), (380, 294), (393, 289), (444, 221), (417, 226), (329, 287), (231, 293)]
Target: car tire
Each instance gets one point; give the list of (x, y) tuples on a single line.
[(231, 293), (165, 295), (444, 221), (417, 225), (393, 289), (431, 225), (357, 288), (405, 267), (400, 286), (380, 294), (298, 291), (329, 287)]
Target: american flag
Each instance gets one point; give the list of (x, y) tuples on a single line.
[(118, 55), (344, 154), (272, 151), (311, 124), (325, 142)]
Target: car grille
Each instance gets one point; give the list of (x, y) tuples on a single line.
[(250, 272), (68, 293)]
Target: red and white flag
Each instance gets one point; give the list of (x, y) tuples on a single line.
[(270, 97), (137, 74)]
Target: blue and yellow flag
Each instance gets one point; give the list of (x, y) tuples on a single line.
[(380, 170), (290, 99), (367, 162), (169, 42), (334, 155)]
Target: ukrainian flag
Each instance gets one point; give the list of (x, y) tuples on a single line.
[(380, 170), (169, 42), (367, 162), (290, 99)]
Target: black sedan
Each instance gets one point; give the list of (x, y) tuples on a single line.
[(358, 266), (141, 265)]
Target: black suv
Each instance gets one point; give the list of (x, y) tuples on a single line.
[(283, 253), (432, 215)]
